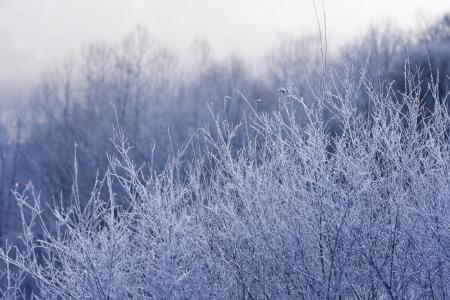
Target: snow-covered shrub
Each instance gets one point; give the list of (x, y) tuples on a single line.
[(304, 209)]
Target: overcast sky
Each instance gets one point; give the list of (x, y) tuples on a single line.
[(36, 34)]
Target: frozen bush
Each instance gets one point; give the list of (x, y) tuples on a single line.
[(302, 210)]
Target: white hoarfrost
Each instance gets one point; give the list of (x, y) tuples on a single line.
[(322, 201)]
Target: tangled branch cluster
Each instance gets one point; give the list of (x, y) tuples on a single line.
[(304, 209)]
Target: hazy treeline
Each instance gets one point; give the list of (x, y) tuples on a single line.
[(160, 100)]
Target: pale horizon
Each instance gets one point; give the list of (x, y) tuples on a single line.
[(38, 35)]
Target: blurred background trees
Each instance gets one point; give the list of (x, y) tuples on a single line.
[(161, 99)]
